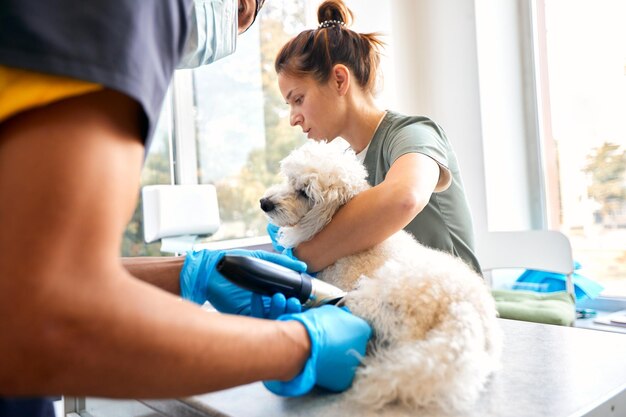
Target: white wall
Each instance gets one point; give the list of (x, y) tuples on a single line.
[(436, 71), (469, 66)]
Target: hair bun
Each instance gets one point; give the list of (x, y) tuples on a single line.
[(314, 52), (333, 13)]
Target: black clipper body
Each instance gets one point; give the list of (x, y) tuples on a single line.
[(268, 278)]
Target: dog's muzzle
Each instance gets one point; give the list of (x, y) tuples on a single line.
[(266, 204)]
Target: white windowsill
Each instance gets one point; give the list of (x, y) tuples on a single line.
[(235, 243)]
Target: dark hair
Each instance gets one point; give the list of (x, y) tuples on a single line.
[(315, 52)]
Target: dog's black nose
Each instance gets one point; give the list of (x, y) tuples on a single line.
[(266, 204)]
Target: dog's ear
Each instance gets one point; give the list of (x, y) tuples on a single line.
[(321, 213)]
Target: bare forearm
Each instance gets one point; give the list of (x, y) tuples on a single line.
[(155, 346), (73, 321), (366, 220), (163, 272)]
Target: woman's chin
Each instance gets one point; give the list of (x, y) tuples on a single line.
[(317, 138)]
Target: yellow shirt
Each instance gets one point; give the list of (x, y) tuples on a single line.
[(21, 90)]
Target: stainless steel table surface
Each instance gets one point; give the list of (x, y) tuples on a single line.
[(547, 371)]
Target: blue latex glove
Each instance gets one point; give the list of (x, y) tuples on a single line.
[(271, 308), (338, 340), (200, 281), (272, 231)]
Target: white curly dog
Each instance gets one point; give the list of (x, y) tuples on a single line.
[(436, 335)]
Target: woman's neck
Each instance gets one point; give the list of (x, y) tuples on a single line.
[(362, 120)]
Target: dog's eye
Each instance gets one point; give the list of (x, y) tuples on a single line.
[(302, 193)]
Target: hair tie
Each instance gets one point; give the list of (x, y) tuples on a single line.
[(329, 23)]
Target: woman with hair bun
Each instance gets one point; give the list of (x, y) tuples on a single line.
[(327, 76)]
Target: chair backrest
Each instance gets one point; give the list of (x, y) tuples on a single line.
[(544, 250)]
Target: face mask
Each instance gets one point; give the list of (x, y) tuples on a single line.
[(213, 32)]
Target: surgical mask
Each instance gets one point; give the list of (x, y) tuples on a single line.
[(213, 32)]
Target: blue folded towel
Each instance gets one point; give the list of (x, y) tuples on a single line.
[(542, 281)]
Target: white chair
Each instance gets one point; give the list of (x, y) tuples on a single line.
[(543, 250)]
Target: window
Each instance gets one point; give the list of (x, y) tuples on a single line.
[(241, 121), (582, 67), (240, 125)]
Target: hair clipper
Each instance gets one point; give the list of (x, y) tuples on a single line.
[(267, 278)]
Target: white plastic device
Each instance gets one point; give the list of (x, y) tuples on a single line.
[(179, 210)]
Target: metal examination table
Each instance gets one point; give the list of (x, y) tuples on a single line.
[(547, 371)]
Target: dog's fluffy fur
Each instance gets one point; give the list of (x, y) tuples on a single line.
[(436, 338)]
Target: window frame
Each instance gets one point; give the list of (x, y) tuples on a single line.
[(184, 145), (547, 150)]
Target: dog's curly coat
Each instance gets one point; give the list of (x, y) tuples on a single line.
[(436, 335)]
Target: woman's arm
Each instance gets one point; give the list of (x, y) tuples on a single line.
[(375, 214)]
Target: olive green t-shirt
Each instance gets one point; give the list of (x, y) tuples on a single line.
[(446, 222)]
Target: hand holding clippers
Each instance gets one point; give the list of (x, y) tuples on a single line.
[(268, 278)]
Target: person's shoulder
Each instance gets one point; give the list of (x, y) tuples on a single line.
[(402, 125), (400, 119)]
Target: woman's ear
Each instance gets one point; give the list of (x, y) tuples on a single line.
[(341, 79)]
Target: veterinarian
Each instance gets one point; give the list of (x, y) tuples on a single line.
[(327, 76), (81, 86)]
